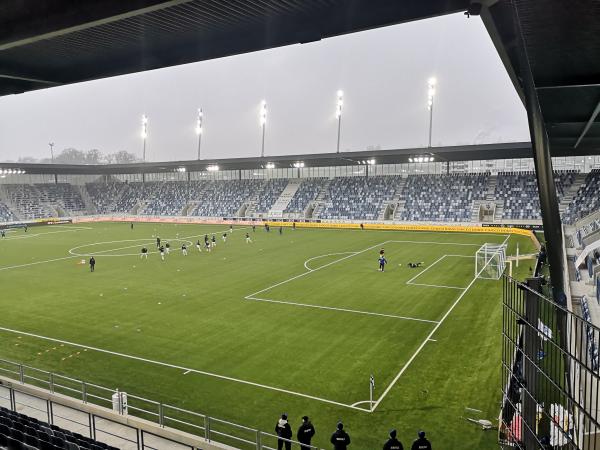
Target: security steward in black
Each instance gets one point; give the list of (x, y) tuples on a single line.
[(393, 443), (422, 443), (340, 439), (283, 430), (305, 432)]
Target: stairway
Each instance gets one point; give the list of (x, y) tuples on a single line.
[(87, 200), (389, 209), (6, 200), (571, 192), (285, 198)]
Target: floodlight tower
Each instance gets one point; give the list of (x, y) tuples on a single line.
[(199, 130), (263, 124), (430, 95), (51, 145), (338, 115), (144, 134)]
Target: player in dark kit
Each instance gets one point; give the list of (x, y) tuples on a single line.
[(340, 439), (422, 443), (131, 225), (3, 233), (305, 432), (293, 225), (382, 263), (157, 242), (283, 430), (92, 264), (280, 230), (254, 228), (393, 443)]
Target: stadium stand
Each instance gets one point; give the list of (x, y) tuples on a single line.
[(591, 344), (358, 198), (225, 198), (269, 193), (439, 198), (6, 214), (307, 192), (587, 199), (447, 198), (63, 195), (18, 431), (27, 201), (519, 193), (104, 195)]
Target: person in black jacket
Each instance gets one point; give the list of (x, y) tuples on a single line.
[(422, 443), (393, 443), (92, 264), (305, 432), (340, 439), (283, 430)]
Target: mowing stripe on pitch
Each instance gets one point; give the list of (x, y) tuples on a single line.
[(182, 368)]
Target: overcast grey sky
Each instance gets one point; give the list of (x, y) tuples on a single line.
[(382, 72)]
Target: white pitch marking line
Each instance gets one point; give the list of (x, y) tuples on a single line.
[(435, 286), (186, 372), (426, 269), (416, 353), (37, 262), (331, 308), (27, 236), (189, 370), (360, 403), (322, 256), (432, 340), (437, 243)]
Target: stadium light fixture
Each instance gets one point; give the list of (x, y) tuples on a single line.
[(299, 164), (270, 165), (144, 134), (431, 86), (338, 115), (213, 168), (263, 123), (199, 129), (51, 145)]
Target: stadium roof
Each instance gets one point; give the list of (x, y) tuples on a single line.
[(439, 154), (562, 47), (57, 42)]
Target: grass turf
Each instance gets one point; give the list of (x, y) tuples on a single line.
[(193, 312)]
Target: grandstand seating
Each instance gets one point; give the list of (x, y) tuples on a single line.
[(64, 195), (6, 215), (104, 195), (358, 198), (519, 193), (591, 343), (18, 431), (447, 198), (269, 193), (587, 199), (224, 198), (307, 192), (27, 201)]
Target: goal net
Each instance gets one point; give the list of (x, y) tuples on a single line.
[(490, 261)]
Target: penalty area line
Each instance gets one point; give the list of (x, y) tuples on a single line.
[(187, 369), (331, 308)]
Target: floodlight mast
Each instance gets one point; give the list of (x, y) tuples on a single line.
[(199, 129), (431, 83), (51, 145), (338, 115), (263, 124), (144, 135)]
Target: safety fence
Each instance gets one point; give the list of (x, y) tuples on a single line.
[(551, 384), (99, 426)]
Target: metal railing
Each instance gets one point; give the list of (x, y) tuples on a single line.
[(551, 392), (212, 429)]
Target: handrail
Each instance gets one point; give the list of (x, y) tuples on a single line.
[(157, 417)]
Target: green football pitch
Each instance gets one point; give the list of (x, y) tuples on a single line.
[(293, 322)]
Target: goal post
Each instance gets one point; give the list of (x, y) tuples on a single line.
[(490, 261)]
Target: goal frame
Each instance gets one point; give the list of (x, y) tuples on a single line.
[(490, 261)]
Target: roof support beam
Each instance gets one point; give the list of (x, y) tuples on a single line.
[(91, 24), (588, 124), (567, 86), (31, 80)]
